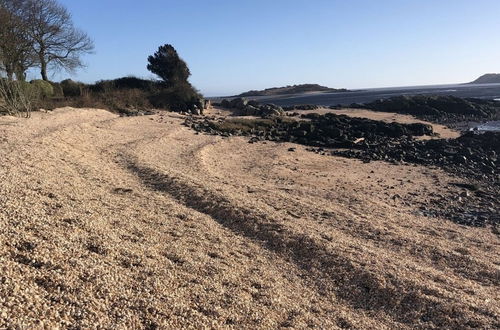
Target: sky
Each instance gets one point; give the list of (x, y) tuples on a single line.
[(232, 46)]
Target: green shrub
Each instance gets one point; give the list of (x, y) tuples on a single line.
[(125, 95), (71, 88), (44, 88), (57, 88), (103, 86), (134, 83), (123, 83)]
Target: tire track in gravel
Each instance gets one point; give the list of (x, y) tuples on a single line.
[(326, 269), (100, 156), (462, 265), (124, 151)]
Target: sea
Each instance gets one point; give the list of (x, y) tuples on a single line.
[(490, 125), (482, 91), (493, 126)]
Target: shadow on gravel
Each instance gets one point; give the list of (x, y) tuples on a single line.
[(472, 157), (405, 301)]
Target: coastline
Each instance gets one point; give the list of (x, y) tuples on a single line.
[(479, 126), (482, 91), (186, 221)]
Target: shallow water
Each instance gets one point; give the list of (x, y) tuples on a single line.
[(490, 126), (484, 91)]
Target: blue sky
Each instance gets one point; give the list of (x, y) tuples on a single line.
[(233, 46)]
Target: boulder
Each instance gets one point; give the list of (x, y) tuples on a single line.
[(420, 129), (251, 110), (271, 110), (253, 103), (239, 103)]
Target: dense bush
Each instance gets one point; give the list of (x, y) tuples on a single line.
[(127, 101), (182, 97), (44, 88), (124, 83), (120, 96), (130, 94), (57, 88), (102, 86), (135, 83), (71, 88), (174, 92)]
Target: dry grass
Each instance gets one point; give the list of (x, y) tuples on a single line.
[(122, 101), (139, 223), (17, 98)]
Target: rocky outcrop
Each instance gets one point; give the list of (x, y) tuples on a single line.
[(302, 107), (437, 108), (327, 131), (253, 108), (472, 155), (473, 158)]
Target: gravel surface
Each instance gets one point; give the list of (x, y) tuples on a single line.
[(139, 222)]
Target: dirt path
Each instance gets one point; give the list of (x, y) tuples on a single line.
[(140, 223)]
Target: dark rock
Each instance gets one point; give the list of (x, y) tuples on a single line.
[(253, 103), (239, 103), (472, 156), (302, 107), (250, 110), (438, 108)]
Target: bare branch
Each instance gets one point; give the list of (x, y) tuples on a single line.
[(57, 43)]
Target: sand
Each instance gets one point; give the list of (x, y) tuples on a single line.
[(139, 222)]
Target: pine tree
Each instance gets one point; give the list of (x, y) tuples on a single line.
[(167, 65)]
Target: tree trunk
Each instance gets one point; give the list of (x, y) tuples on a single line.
[(43, 63), (43, 69), (21, 74), (10, 72)]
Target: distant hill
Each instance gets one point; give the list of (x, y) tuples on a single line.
[(489, 78), (295, 89)]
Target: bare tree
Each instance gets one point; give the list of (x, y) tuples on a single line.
[(56, 41), (16, 51)]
